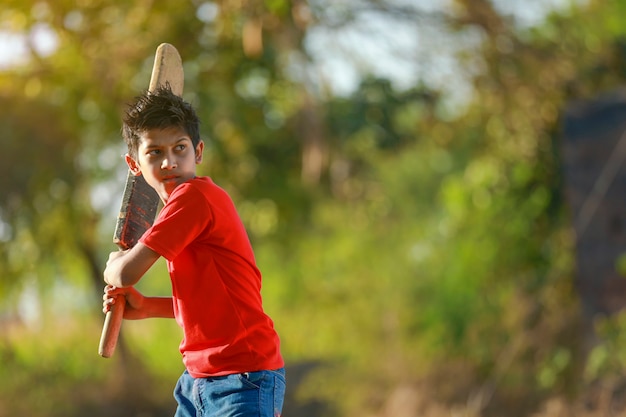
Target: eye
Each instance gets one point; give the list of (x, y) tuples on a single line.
[(153, 152), (181, 147)]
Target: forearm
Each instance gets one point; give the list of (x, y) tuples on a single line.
[(114, 275), (157, 307), (125, 268), (137, 306)]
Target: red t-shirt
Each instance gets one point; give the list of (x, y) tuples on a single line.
[(216, 286)]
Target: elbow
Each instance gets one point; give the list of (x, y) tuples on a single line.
[(125, 268), (126, 281), (119, 277)]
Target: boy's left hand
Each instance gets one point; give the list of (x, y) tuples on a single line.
[(117, 254), (112, 257)]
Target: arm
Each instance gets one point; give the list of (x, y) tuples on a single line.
[(137, 306), (125, 268), (158, 307)]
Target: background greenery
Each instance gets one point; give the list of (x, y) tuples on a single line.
[(416, 247)]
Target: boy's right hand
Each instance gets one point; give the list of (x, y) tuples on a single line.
[(134, 301)]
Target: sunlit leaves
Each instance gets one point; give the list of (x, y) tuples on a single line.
[(424, 236)]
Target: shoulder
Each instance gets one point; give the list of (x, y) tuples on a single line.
[(194, 187), (197, 191), (206, 186)]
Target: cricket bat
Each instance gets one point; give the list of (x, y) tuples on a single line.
[(139, 201)]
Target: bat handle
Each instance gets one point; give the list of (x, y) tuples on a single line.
[(111, 328)]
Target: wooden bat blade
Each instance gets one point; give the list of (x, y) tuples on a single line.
[(137, 212), (168, 68), (140, 201)]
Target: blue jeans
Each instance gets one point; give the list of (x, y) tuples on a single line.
[(252, 394)]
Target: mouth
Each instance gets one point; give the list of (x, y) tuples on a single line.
[(169, 179)]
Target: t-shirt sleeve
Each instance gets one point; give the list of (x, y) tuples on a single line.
[(184, 217)]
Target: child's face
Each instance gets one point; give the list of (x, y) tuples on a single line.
[(166, 158)]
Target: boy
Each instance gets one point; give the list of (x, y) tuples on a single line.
[(230, 348)]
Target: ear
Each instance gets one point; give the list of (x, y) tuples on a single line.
[(133, 165), (199, 149)]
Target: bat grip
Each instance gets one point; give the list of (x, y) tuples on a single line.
[(111, 328)]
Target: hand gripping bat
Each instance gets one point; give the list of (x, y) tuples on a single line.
[(140, 201)]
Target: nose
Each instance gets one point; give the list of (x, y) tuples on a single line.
[(168, 162)]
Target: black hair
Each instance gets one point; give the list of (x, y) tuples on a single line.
[(159, 109)]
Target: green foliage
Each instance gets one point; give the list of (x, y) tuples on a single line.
[(621, 265), (414, 241), (607, 359), (37, 370), (60, 374)]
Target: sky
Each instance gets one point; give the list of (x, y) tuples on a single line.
[(14, 46), (407, 51)]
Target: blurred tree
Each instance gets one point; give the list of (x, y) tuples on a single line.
[(395, 233)]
